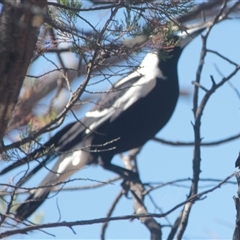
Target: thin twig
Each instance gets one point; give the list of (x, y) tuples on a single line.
[(102, 220), (109, 214)]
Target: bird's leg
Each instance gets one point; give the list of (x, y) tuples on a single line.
[(128, 176), (130, 162), (123, 172)]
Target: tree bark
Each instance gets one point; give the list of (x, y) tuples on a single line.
[(19, 27)]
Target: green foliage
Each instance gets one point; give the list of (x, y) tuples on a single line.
[(171, 9), (31, 145), (168, 38), (37, 217), (143, 20), (70, 15), (14, 154), (15, 203), (131, 21), (4, 199), (3, 204)]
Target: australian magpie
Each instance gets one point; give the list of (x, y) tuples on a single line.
[(126, 117)]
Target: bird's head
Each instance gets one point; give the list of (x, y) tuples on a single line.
[(175, 38), (188, 35), (172, 42)]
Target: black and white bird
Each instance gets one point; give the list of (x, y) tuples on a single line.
[(126, 117)]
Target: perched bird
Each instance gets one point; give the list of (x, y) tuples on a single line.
[(126, 117)]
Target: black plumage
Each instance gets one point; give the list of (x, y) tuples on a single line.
[(237, 163), (126, 117)]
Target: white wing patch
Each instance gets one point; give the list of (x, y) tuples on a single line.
[(63, 169), (71, 162), (149, 71)]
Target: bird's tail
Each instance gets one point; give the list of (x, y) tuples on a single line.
[(66, 166), (45, 151), (32, 203)]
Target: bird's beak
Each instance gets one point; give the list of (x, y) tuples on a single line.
[(188, 35)]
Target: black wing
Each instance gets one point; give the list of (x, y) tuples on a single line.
[(70, 136)]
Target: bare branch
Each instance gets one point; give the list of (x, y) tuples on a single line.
[(109, 214), (137, 190), (102, 220), (204, 144), (197, 111)]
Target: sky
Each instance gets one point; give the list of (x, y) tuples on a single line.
[(212, 217)]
